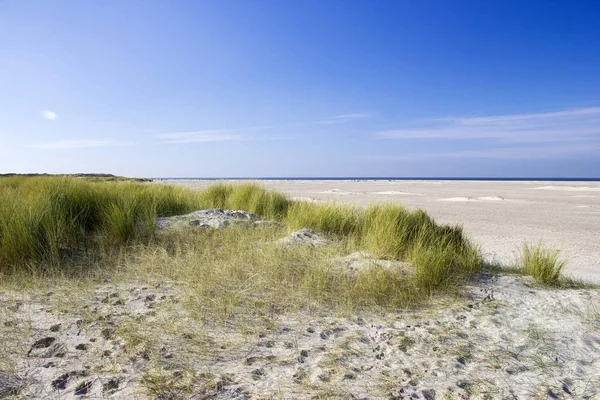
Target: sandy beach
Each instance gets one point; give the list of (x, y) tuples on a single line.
[(498, 215), (227, 304)]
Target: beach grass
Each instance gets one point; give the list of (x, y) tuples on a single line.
[(42, 219), (543, 264), (66, 225)]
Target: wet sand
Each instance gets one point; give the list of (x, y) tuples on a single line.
[(499, 216)]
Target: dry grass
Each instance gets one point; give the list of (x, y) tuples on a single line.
[(240, 267)]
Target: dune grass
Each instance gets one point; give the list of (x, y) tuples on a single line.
[(225, 270), (52, 223), (544, 265), (44, 218)]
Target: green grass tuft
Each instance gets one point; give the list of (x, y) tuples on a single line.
[(544, 265), (44, 218), (443, 263)]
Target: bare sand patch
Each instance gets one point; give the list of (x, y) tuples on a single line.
[(506, 338), (397, 192), (342, 192), (570, 188), (306, 199), (484, 198)]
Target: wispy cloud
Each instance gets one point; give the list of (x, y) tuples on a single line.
[(49, 115), (199, 136), (340, 119), (566, 125), (78, 144), (559, 135), (561, 151), (218, 135), (251, 133)]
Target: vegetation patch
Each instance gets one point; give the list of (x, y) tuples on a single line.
[(65, 224), (544, 265)]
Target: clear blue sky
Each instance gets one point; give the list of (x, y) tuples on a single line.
[(301, 88)]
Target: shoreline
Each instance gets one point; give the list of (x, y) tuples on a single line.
[(382, 179)]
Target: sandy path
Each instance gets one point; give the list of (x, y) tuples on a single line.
[(497, 215)]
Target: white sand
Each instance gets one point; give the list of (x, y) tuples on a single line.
[(567, 188), (506, 339), (499, 216)]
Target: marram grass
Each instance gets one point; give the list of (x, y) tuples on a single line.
[(52, 223), (44, 218), (544, 265)]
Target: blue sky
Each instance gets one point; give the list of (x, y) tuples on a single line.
[(301, 88)]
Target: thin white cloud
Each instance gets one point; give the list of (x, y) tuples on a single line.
[(49, 115), (340, 119), (578, 112), (564, 134), (566, 125), (562, 151), (78, 144), (246, 133), (199, 137), (353, 116), (218, 135)]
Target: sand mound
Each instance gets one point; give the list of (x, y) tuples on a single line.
[(303, 237), (360, 261), (491, 198), (205, 219)]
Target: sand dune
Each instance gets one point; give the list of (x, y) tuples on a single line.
[(546, 214)]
